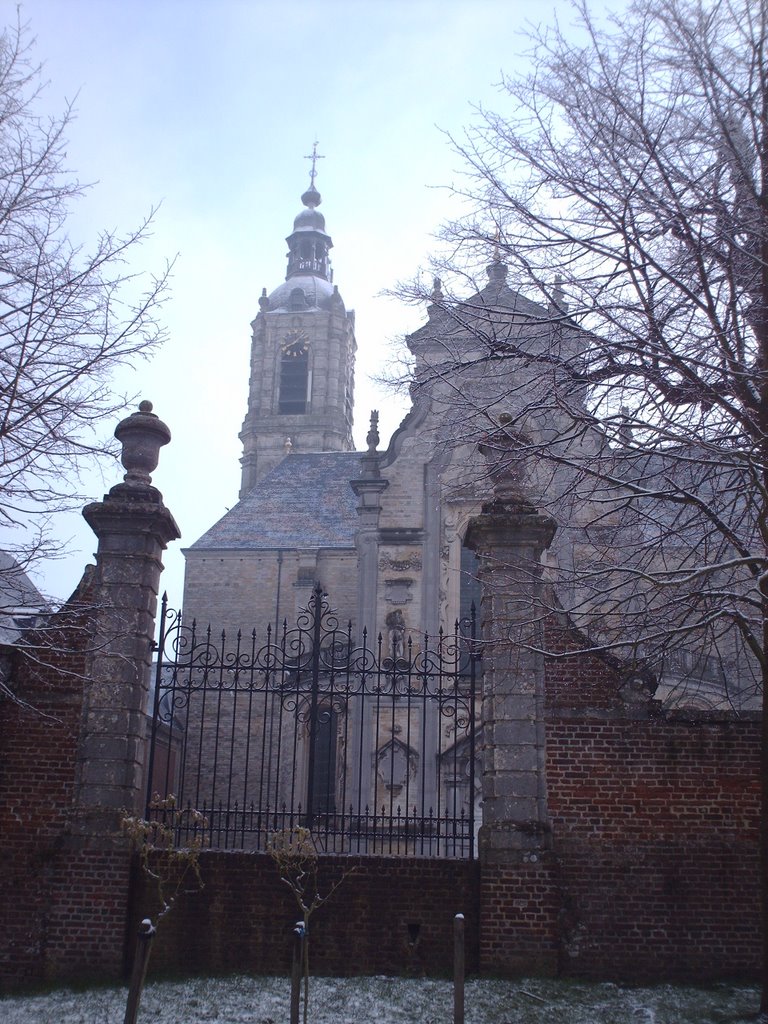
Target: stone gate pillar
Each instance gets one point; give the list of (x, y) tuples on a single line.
[(509, 539), (87, 882), (517, 886), (133, 527)]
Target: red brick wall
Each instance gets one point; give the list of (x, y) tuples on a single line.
[(655, 822), (655, 828), (243, 919), (62, 903), (653, 874), (653, 871), (519, 907), (88, 890), (577, 680), (660, 778), (37, 763)]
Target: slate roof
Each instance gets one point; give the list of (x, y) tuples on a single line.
[(304, 502), (21, 603)]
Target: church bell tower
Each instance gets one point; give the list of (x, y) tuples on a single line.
[(302, 356)]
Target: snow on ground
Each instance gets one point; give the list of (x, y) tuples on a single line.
[(247, 1000)]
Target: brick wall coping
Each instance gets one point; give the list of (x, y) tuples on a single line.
[(697, 716), (669, 716)]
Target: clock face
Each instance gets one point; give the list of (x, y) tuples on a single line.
[(292, 337), (295, 339)]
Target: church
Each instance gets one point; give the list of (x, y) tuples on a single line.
[(379, 533), (383, 530), (373, 528), (330, 666)]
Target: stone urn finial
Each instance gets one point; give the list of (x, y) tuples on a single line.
[(501, 449), (142, 435), (372, 439)]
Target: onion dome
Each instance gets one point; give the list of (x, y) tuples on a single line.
[(301, 292), (310, 218), (309, 280), (308, 243)]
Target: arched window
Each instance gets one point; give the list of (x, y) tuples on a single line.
[(322, 778), (298, 299), (294, 379), (470, 589)]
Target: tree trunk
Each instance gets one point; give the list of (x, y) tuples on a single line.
[(139, 972)]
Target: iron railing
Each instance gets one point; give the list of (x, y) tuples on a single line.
[(373, 749)]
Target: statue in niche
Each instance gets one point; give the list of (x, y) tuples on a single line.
[(396, 633)]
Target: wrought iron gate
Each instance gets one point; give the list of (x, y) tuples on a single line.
[(372, 748)]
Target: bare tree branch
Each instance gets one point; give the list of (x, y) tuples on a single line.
[(615, 361), (69, 316)]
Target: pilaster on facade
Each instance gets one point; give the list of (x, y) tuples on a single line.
[(369, 488)]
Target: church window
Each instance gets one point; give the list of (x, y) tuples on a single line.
[(323, 778), (298, 300), (294, 379), (470, 590)]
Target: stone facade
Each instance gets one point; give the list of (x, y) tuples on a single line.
[(242, 590)]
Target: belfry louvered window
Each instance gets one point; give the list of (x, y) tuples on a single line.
[(294, 379)]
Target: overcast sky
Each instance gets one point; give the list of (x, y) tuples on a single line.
[(208, 110)]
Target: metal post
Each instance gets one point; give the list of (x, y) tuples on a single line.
[(139, 971), (458, 969), (296, 968), (317, 608), (472, 724), (156, 707)]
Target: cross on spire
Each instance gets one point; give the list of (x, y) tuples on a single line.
[(496, 236), (314, 157)]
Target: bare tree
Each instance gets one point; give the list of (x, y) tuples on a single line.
[(174, 871), (621, 199), (69, 316), (295, 854)]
